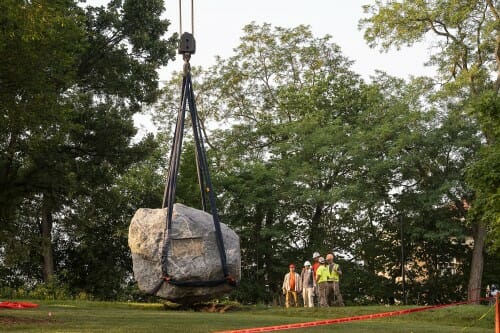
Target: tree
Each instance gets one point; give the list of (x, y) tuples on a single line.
[(468, 45), (312, 156), (95, 259), (39, 56), (73, 79), (268, 91), (409, 173)]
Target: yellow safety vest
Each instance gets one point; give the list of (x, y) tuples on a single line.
[(323, 273), (333, 275)]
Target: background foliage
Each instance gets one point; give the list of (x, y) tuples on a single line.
[(305, 155)]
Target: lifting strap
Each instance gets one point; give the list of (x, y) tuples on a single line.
[(204, 180)]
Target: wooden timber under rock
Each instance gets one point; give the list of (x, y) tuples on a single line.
[(193, 254)]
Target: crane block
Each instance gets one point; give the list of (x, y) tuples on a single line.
[(187, 44)]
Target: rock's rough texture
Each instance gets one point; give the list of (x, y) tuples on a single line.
[(193, 254)]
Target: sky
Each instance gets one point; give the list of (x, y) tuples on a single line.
[(218, 27)]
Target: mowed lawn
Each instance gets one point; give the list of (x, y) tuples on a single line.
[(86, 316)]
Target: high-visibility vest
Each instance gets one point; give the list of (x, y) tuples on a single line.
[(333, 275), (323, 273)]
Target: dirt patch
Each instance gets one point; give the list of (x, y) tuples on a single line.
[(204, 307), (214, 307), (11, 320)]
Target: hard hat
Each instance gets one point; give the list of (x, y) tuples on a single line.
[(329, 256), (307, 263), (315, 255), (321, 260), (291, 266)]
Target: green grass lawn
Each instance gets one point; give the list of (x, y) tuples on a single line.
[(85, 316)]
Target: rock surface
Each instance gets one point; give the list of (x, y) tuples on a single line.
[(193, 254)]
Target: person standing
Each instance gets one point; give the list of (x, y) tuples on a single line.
[(333, 280), (322, 275), (308, 283), (492, 294), (315, 266), (292, 285)]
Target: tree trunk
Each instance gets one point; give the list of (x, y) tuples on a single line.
[(269, 254), (497, 56), (46, 241), (257, 240), (476, 270), (315, 237)]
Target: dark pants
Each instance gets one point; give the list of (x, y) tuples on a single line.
[(333, 289), (323, 294)]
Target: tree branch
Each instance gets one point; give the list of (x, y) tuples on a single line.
[(497, 55), (478, 37), (493, 9), (446, 33), (497, 46)]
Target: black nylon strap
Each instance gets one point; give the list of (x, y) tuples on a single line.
[(203, 165), (175, 154), (187, 99)]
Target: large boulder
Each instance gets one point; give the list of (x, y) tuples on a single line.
[(193, 254)]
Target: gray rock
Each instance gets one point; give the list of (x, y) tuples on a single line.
[(193, 253)]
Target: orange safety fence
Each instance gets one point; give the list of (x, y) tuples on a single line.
[(356, 318), (17, 305)]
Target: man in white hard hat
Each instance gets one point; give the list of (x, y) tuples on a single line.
[(308, 284), (321, 279), (315, 266)]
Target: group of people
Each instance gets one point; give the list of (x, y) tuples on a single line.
[(320, 279), (491, 293)]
